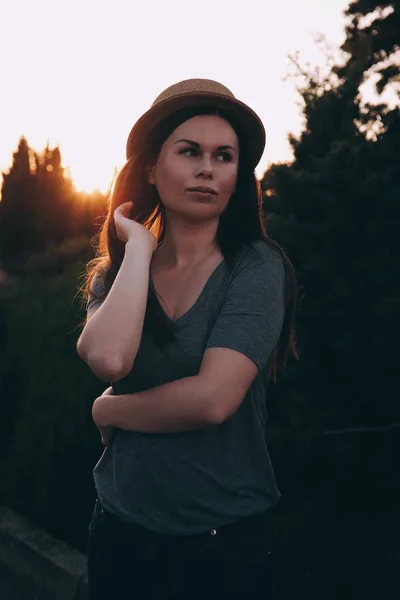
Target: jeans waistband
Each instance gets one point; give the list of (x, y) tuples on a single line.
[(243, 523)]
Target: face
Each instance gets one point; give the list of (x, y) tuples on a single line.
[(202, 152)]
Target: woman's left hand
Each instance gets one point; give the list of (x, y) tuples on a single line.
[(98, 415)]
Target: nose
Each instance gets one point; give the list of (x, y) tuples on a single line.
[(205, 168)]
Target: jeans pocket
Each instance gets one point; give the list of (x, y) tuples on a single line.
[(97, 517), (246, 545)]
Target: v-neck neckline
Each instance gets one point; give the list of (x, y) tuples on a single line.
[(186, 316)]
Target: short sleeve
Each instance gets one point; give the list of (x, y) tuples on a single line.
[(252, 314), (97, 288)]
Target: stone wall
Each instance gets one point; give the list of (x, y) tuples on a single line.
[(34, 565)]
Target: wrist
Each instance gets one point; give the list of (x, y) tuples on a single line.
[(133, 248)]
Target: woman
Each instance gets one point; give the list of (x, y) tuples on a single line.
[(190, 311)]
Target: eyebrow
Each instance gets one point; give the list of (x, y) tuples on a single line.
[(196, 145)]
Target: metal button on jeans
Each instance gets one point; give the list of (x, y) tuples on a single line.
[(213, 532)]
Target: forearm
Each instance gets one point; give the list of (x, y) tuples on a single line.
[(111, 338), (181, 405)]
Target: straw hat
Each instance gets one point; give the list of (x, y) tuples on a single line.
[(201, 92)]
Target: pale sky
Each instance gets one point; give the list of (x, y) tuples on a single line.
[(79, 73)]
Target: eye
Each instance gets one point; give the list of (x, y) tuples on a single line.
[(189, 150), (227, 156)]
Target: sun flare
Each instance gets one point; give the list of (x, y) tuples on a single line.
[(90, 180), (88, 94)]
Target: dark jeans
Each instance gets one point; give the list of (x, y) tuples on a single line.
[(129, 562)]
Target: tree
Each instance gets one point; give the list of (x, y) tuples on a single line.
[(17, 206), (336, 210), (55, 197), (380, 38), (40, 207)]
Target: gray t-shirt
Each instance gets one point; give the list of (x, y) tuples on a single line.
[(188, 482)]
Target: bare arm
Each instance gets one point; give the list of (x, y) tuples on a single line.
[(111, 337), (206, 399), (181, 405)]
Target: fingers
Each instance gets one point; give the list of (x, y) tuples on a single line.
[(108, 392), (124, 208)]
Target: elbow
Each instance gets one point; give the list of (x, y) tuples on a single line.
[(107, 368), (214, 415), (81, 350), (217, 416), (222, 410)]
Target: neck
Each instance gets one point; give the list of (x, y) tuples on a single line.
[(187, 244)]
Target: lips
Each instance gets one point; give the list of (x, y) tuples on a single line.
[(203, 190)]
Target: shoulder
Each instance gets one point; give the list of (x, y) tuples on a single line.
[(259, 270), (97, 283), (263, 256)]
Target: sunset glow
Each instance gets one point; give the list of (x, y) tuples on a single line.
[(79, 74)]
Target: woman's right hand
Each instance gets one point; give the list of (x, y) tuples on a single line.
[(128, 230)]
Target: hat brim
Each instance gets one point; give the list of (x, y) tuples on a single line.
[(251, 126)]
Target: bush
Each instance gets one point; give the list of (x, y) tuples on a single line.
[(49, 442)]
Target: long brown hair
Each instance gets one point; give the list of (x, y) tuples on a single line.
[(242, 222)]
